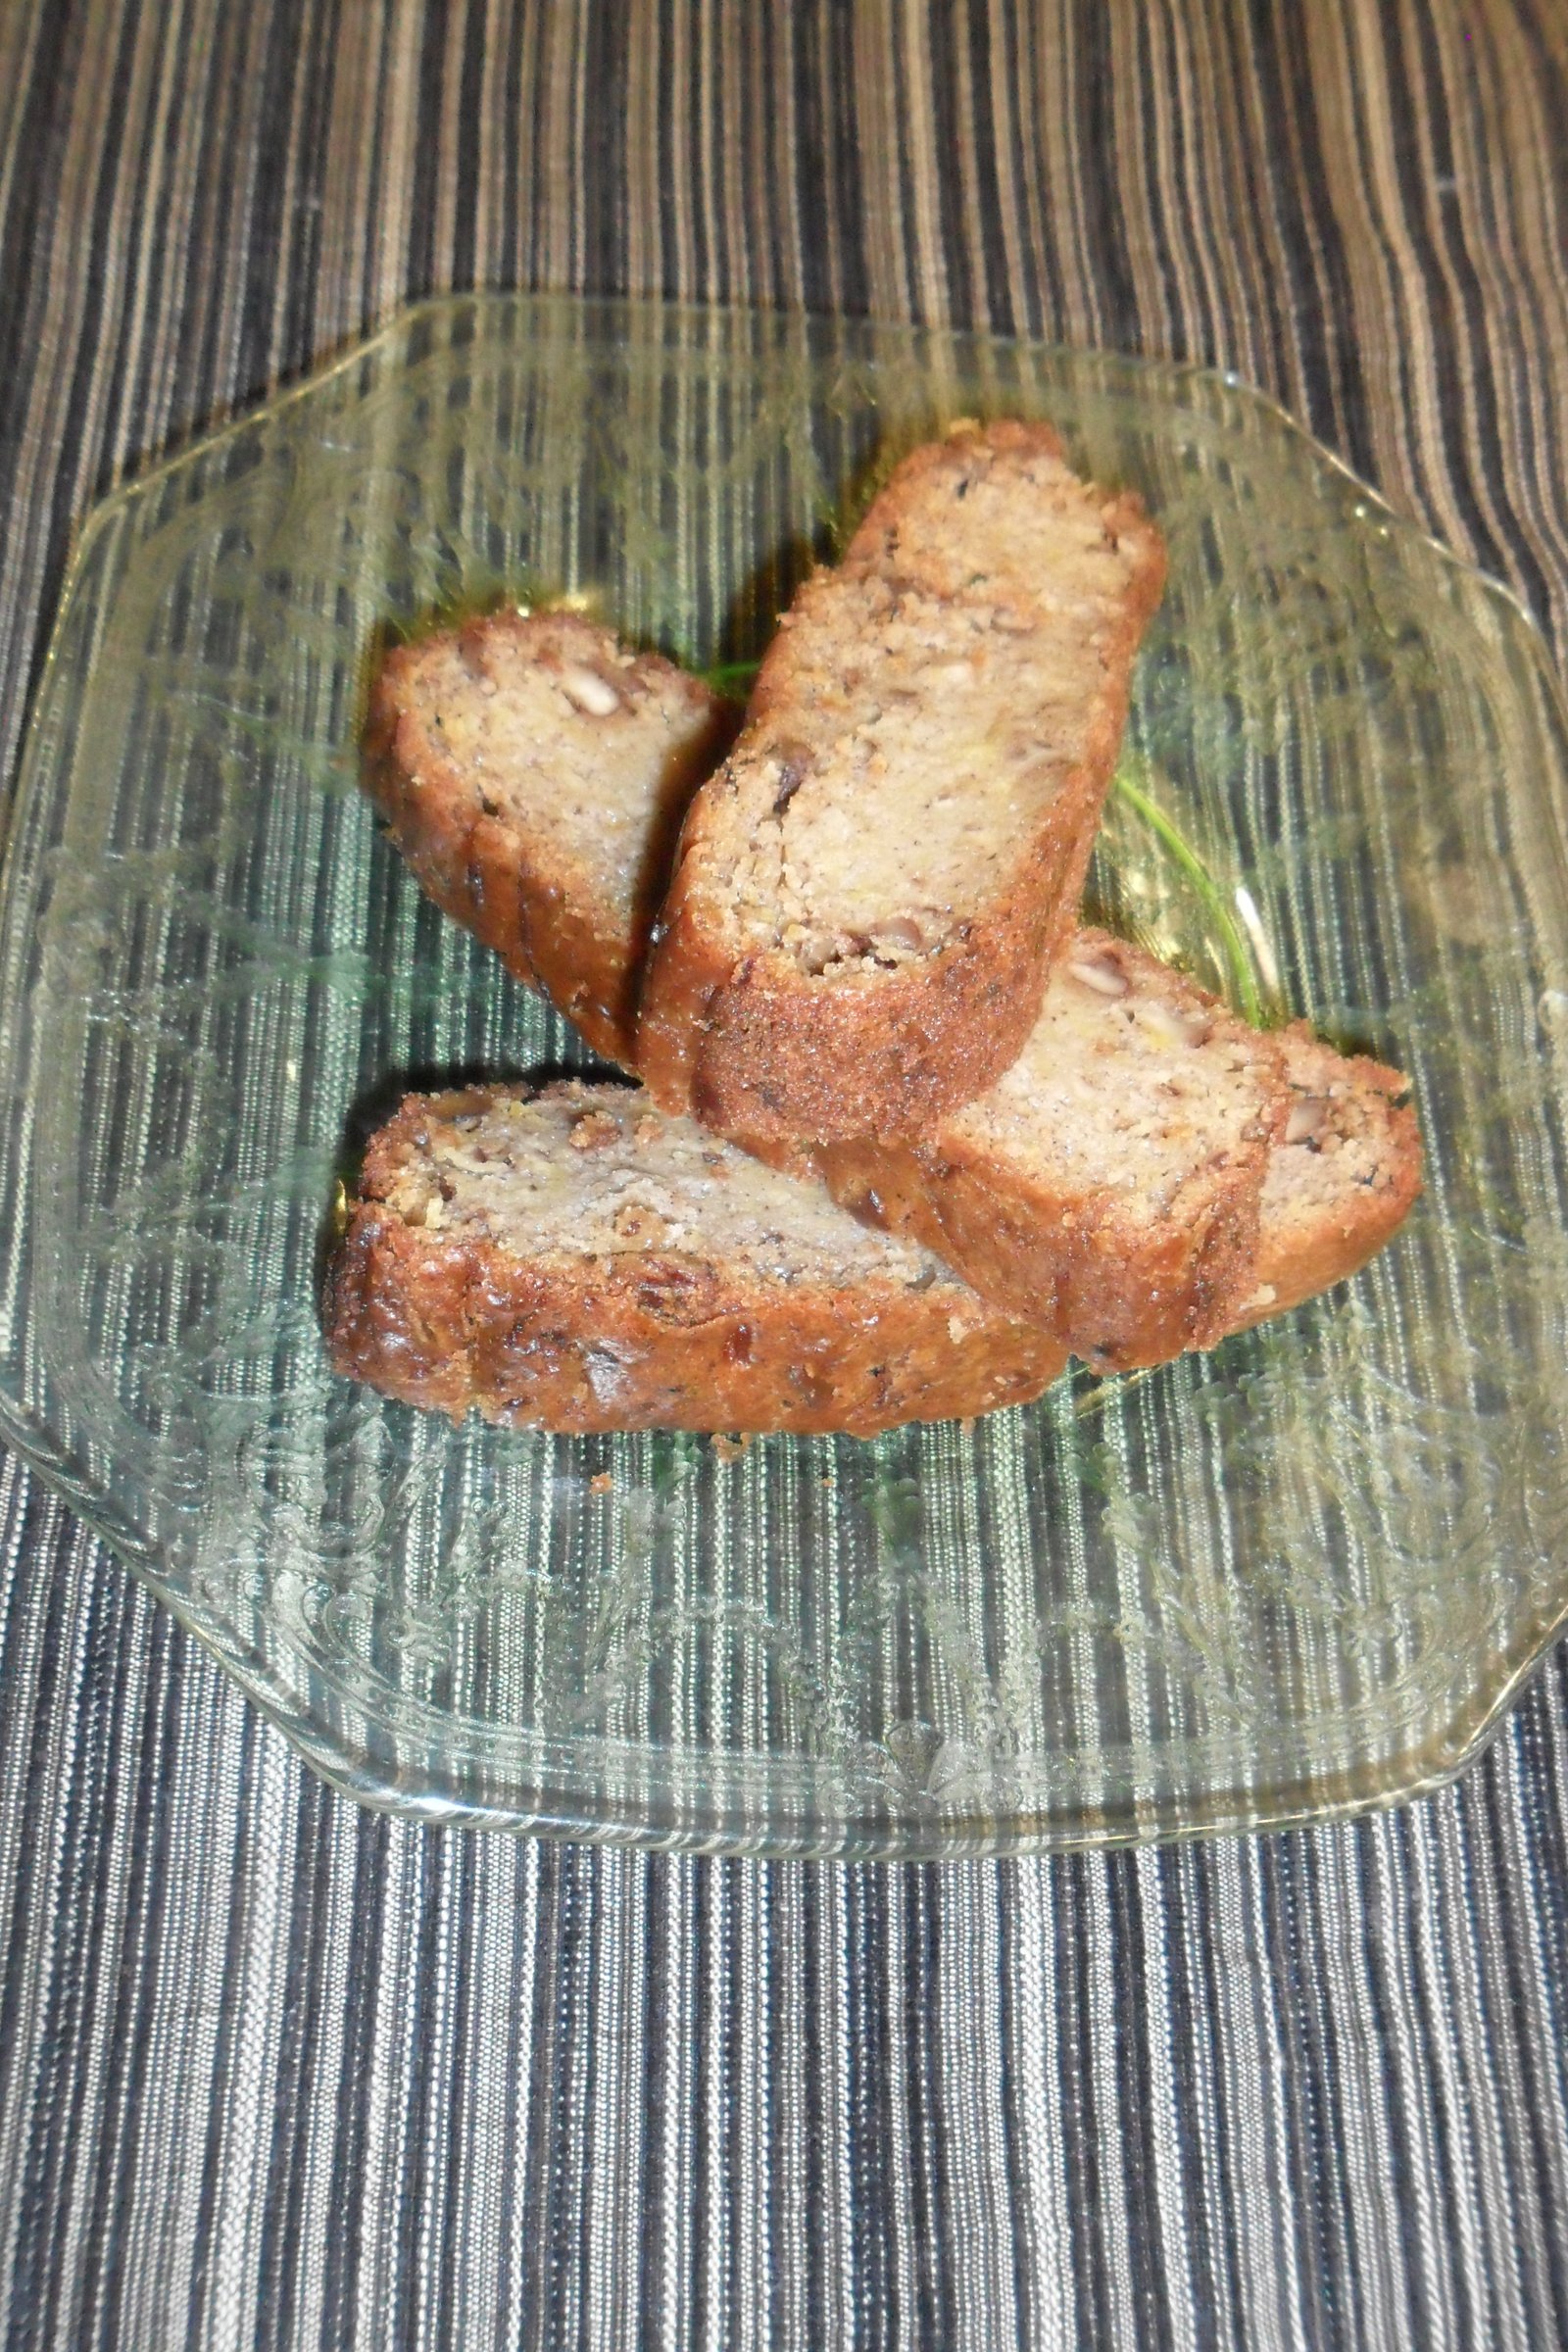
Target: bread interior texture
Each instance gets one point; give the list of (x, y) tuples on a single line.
[(587, 747), (585, 1171), (1130, 1082)]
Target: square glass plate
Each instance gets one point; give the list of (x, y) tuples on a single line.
[(1296, 1577)]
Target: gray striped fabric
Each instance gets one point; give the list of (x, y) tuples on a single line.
[(275, 2073)]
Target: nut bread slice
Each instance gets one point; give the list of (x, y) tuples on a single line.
[(1111, 1183), (1340, 1179), (534, 772), (869, 894), (573, 1259)]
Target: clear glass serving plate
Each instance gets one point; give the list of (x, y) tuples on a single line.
[(1299, 1576)]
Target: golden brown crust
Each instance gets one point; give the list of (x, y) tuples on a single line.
[(759, 1051), (1117, 1294), (537, 906), (649, 1339), (758, 1046)]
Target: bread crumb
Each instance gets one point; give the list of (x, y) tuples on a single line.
[(730, 1449), (600, 1482)]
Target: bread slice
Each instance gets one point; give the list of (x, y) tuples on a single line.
[(534, 772), (869, 893), (1109, 1185), (575, 1259), (1340, 1179)]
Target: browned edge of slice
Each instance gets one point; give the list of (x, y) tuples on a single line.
[(1341, 1181), (1118, 1290), (523, 894), (457, 1321), (756, 1046)]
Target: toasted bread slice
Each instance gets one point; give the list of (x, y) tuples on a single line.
[(869, 893), (1109, 1185), (534, 772), (576, 1260)]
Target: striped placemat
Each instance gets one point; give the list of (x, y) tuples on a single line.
[(275, 2072)]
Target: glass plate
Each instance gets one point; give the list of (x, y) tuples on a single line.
[(1296, 1577)]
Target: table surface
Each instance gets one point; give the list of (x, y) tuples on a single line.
[(274, 2072)]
